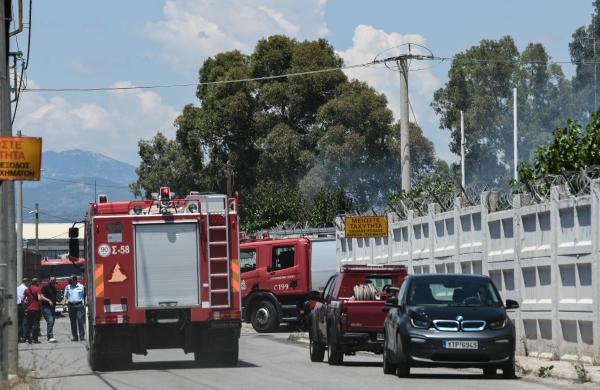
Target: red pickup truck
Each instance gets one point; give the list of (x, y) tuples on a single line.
[(348, 315)]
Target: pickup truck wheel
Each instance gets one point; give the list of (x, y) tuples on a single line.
[(389, 367), (264, 317), (335, 357), (317, 350)]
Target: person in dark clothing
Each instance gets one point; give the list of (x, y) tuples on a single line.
[(48, 298), (32, 307)]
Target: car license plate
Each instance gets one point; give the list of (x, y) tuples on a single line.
[(460, 344)]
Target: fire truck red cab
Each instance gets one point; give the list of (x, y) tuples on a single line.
[(62, 269), (163, 274)]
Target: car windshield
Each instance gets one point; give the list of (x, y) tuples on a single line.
[(452, 290)]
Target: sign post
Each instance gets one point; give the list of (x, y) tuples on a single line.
[(365, 227), (20, 158)]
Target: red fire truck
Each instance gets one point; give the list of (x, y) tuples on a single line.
[(278, 274), (163, 273), (62, 269)]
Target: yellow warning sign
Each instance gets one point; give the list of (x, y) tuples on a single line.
[(20, 158), (364, 227)]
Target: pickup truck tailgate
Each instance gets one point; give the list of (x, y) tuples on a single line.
[(365, 316)]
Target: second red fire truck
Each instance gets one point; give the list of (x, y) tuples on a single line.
[(163, 273)]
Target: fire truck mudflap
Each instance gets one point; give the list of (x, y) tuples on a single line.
[(163, 274)]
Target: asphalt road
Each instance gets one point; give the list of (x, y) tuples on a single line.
[(267, 361)]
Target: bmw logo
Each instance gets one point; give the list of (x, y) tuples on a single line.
[(459, 318)]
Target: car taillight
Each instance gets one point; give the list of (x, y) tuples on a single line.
[(344, 318)]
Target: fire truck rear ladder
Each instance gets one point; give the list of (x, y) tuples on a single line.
[(214, 261)]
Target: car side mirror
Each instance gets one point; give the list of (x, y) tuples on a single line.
[(73, 244), (314, 296), (389, 303), (511, 304)]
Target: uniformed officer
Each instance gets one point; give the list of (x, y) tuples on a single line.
[(75, 297)]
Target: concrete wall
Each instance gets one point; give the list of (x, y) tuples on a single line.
[(546, 256)]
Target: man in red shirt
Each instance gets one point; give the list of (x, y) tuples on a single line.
[(32, 308)]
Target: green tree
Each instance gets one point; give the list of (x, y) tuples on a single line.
[(583, 54), (326, 205), (163, 163), (270, 204), (481, 80)]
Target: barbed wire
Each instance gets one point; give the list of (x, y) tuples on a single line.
[(532, 191)]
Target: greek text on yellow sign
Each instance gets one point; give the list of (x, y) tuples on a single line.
[(364, 227), (20, 158)]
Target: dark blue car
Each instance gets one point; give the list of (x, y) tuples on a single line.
[(446, 320)]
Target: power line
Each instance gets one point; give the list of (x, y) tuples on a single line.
[(155, 86), (372, 64), (24, 65), (48, 215), (86, 183)]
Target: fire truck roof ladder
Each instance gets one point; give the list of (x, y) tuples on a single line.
[(217, 223)]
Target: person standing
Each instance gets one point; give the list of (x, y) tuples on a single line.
[(48, 298), (32, 307), (21, 308), (75, 296)]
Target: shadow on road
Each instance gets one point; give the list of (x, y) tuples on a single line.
[(182, 364), (460, 376), (362, 364)]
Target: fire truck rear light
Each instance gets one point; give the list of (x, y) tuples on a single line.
[(102, 198), (165, 193), (112, 319)]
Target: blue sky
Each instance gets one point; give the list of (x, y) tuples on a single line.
[(134, 42)]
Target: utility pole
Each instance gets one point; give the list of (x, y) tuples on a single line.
[(462, 150), (37, 223), (19, 220), (515, 136), (404, 130), (401, 63), (8, 239)]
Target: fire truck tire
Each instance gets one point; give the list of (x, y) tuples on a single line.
[(316, 349), (335, 356), (264, 318)]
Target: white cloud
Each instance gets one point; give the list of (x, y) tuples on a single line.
[(193, 30), (367, 43), (112, 129)]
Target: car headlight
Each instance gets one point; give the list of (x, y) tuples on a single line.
[(420, 323), (497, 324)]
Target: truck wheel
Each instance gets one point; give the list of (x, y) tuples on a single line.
[(229, 357), (97, 361), (317, 350), (389, 367), (335, 357), (264, 317)]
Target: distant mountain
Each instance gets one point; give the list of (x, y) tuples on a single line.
[(70, 181)]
